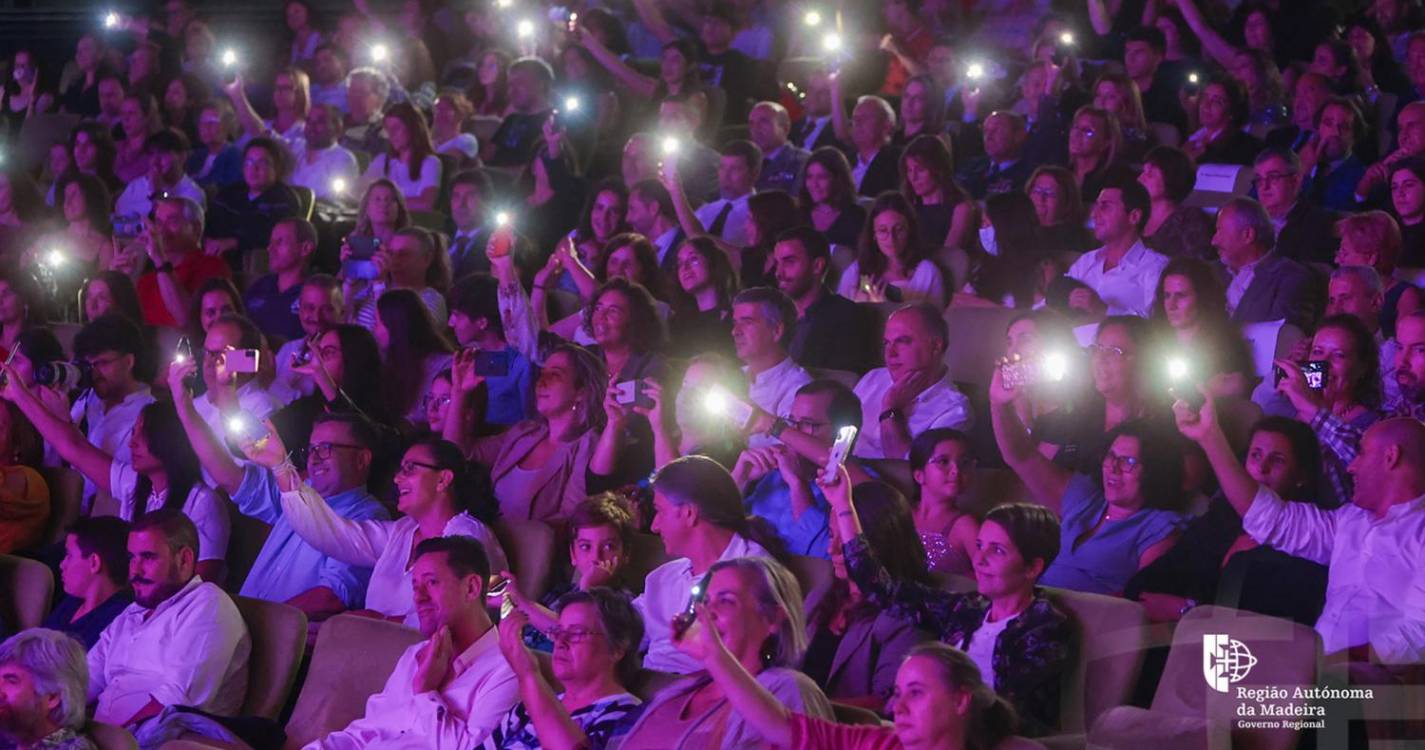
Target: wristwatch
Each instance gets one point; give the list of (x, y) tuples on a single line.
[(890, 414)]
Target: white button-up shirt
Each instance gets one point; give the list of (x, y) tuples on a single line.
[(858, 170), (940, 405), (667, 591), (1128, 288), (459, 715), (773, 390), (190, 650), (663, 243), (110, 429), (1374, 590), (253, 401), (734, 230), (383, 546), (1241, 280), (205, 508)]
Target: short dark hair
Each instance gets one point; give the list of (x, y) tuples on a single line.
[(1033, 528), (167, 140), (812, 241), (1160, 456), (110, 332), (249, 336), (604, 509), (653, 190), (773, 301), (107, 537), (1304, 448), (535, 67), (178, 531), (845, 408), (305, 230), (1149, 35), (623, 626), (477, 297), (1179, 175), (281, 159), (362, 431), (922, 446), (464, 555), (1135, 198), (748, 152), (476, 178)]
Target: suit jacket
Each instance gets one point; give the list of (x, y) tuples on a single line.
[(882, 174), (976, 178), (784, 170), (1308, 236), (1280, 288), (1335, 188), (869, 652), (836, 334)]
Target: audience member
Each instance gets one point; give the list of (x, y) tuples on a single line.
[(94, 576), (45, 678), (1122, 273), (783, 162), (942, 463), (892, 261), (828, 198), (1172, 229), (320, 164), (173, 241), (913, 392), (1003, 168), (1303, 229), (830, 331), (1264, 285)]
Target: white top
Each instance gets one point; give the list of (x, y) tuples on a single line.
[(460, 715), (135, 200), (940, 405), (190, 650), (326, 165), (663, 243), (110, 430), (463, 144), (1241, 280), (926, 284), (398, 173), (773, 390), (667, 592), (383, 546), (1128, 288), (1374, 591), (204, 507), (982, 646), (734, 230)]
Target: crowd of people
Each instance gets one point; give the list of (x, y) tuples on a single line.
[(693, 270)]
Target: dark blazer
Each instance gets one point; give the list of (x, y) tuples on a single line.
[(1308, 235), (836, 334), (1236, 147), (783, 171), (1335, 188), (882, 174), (1280, 288), (869, 652), (825, 139), (977, 180)]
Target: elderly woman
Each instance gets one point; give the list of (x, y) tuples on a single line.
[(46, 677), (241, 216), (752, 610), (595, 659)]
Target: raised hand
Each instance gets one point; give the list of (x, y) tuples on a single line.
[(512, 643), (433, 662)]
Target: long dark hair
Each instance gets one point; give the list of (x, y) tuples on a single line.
[(1162, 461), (645, 327), (97, 199), (361, 370), (889, 529), (195, 304), (418, 133), (471, 491), (1018, 236), (843, 193), (705, 484), (168, 443), (1211, 294), (720, 272), (121, 290), (932, 154), (413, 338), (869, 257), (585, 230)]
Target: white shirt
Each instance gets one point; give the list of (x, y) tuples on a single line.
[(734, 230), (383, 546), (663, 244), (667, 591), (253, 401), (464, 144), (1128, 288), (1374, 591), (773, 390), (324, 166), (108, 430), (819, 124), (926, 284), (982, 646), (135, 200), (1241, 280), (398, 173), (204, 507), (940, 405), (190, 650), (460, 715)]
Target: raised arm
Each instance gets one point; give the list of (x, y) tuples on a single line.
[(1202, 428), (639, 85), (464, 388), (750, 701), (552, 723), (58, 431), (246, 115), (1043, 477), (688, 220), (1100, 18), (358, 543), (212, 453), (1219, 48), (840, 123)]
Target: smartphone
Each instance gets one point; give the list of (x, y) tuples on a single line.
[(492, 364), (360, 265), (841, 449), (241, 360), (630, 393), (687, 617), (498, 595), (1315, 372)]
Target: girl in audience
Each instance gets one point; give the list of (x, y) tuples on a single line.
[(854, 645), (23, 492), (1112, 527), (678, 70), (434, 487), (891, 264), (241, 216), (110, 292), (1335, 59), (600, 222), (447, 132), (1191, 302), (943, 703), (216, 163), (552, 186), (1407, 197), (627, 256), (412, 260), (626, 331), (344, 362), (164, 472), (490, 93), (409, 162), (93, 152), (80, 92), (1009, 628), (214, 299), (698, 513), (21, 209), (94, 575), (769, 214), (1173, 229), (1118, 95), (1351, 394), (752, 610), (1060, 211), (595, 658), (1095, 151), (436, 407), (1266, 97), (539, 466), (943, 466), (828, 198), (138, 119), (631, 256), (1008, 267), (702, 317), (944, 213), (306, 37), (1222, 112), (414, 350)]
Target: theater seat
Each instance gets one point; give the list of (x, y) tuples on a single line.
[(26, 587), (1113, 639), (1188, 713), (66, 498), (895, 472), (279, 636), (244, 544), (530, 547), (352, 660), (110, 737), (846, 713)]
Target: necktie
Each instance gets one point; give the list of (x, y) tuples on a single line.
[(716, 228)]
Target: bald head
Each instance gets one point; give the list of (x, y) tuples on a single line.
[(768, 125), (1390, 468)]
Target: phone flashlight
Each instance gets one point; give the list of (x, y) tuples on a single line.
[(380, 53), (831, 43), (229, 58), (111, 20), (671, 145), (1178, 369), (502, 218), (572, 104), (338, 185), (1056, 366), (1066, 38), (238, 426), (503, 4), (812, 18), (54, 258), (975, 71), (525, 29), (1193, 78)]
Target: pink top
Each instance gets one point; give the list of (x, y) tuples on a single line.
[(813, 734)]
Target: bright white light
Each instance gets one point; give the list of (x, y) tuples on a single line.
[(1192, 78), (54, 258), (1066, 38), (671, 145), (237, 424), (812, 18), (229, 58), (525, 29), (502, 218), (1056, 366), (503, 4), (715, 401), (976, 70), (111, 20), (571, 104), (1178, 369), (831, 43), (179, 358), (380, 53), (338, 185)]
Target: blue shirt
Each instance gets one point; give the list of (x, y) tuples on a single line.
[(287, 565), (1103, 563), (771, 499), (86, 629), (512, 395), (273, 311)]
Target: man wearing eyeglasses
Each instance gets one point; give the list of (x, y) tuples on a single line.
[(338, 465), (1304, 230), (110, 345), (173, 241)]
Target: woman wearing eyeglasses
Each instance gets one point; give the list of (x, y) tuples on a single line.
[(1112, 526), (943, 466), (892, 264), (595, 657), (433, 485)]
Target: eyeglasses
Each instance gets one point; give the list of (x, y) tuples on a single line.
[(409, 467), (1116, 352), (96, 362), (1120, 464), (695, 261), (571, 636), (805, 425), (323, 451)]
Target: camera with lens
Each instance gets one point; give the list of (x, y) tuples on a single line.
[(65, 376)]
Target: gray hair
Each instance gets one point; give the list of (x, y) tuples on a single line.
[(192, 211), (887, 110), (1249, 214), (779, 599), (1293, 162), (775, 306), (57, 666), (379, 83), (1366, 275)]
